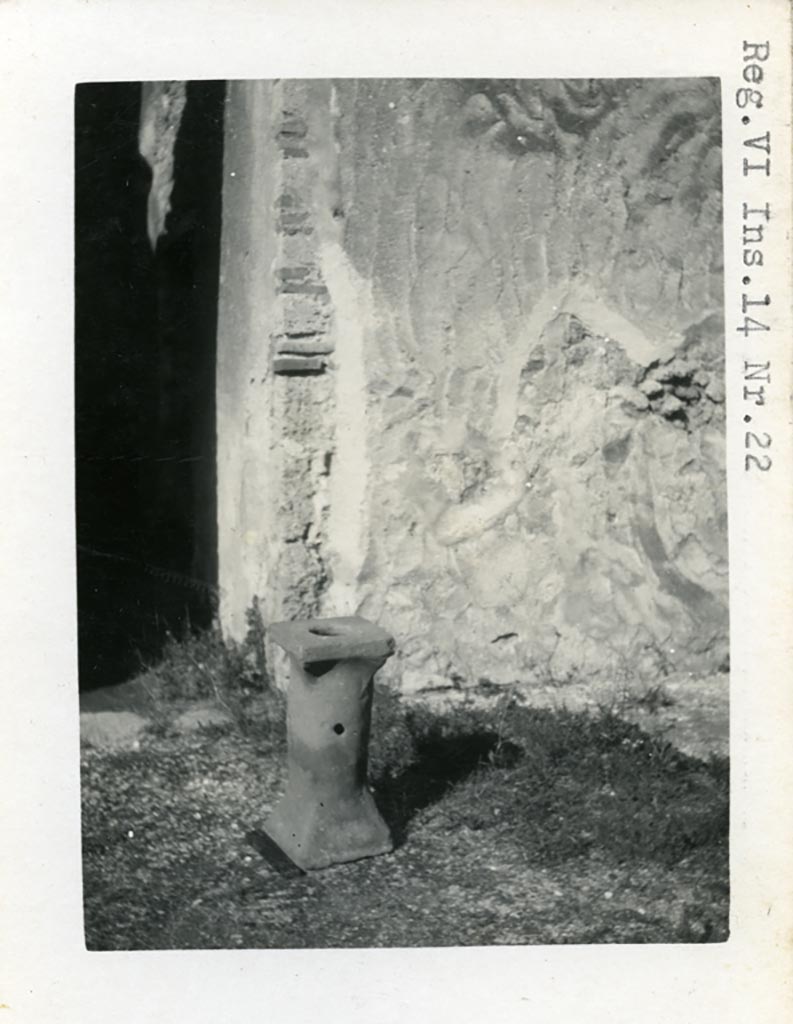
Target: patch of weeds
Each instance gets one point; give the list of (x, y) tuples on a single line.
[(652, 700), (513, 824), (391, 746), (560, 784), (586, 783), (204, 666), (418, 755), (160, 724)]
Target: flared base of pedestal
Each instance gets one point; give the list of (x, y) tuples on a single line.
[(315, 836)]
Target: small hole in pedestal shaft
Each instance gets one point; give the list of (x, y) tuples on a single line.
[(338, 728)]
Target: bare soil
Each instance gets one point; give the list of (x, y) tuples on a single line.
[(486, 853)]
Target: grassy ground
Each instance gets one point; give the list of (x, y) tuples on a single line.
[(513, 825)]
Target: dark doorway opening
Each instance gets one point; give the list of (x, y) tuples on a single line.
[(145, 343)]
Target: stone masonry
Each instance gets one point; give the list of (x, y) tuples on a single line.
[(470, 372)]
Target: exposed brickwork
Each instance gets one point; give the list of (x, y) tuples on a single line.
[(303, 314)]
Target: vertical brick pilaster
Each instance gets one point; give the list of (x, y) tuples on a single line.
[(275, 394)]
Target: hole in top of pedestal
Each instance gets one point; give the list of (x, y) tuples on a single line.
[(325, 631), (338, 728), (319, 668)]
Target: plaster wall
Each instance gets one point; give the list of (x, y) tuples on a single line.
[(507, 446)]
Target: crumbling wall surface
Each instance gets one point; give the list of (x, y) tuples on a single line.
[(543, 352), (275, 406), (514, 460)]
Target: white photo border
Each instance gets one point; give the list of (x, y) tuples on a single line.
[(49, 47)]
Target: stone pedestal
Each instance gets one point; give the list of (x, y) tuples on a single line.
[(327, 814)]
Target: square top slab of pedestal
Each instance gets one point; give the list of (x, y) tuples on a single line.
[(310, 640)]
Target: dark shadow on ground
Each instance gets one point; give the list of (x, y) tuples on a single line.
[(486, 807), (273, 854), (441, 763)]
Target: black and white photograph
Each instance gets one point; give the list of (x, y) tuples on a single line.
[(401, 512), (395, 523)]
